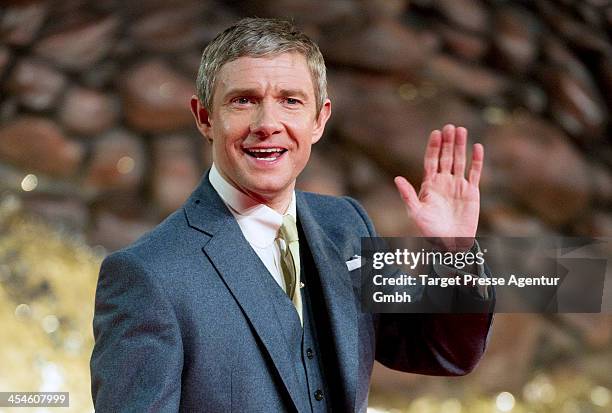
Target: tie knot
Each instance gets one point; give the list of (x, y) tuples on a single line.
[(288, 230)]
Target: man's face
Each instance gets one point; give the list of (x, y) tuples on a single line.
[(263, 123)]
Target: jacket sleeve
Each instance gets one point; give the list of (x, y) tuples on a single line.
[(137, 358), (434, 344)]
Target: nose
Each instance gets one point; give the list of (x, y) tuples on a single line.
[(265, 121)]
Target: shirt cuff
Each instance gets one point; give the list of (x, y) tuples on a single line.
[(447, 271)]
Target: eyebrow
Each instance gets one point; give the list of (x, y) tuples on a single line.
[(293, 92), (254, 92)]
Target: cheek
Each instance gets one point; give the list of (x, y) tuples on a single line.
[(302, 119), (301, 126), (301, 160), (232, 129), (231, 132), (231, 123)]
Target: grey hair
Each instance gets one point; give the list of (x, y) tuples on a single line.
[(259, 37)]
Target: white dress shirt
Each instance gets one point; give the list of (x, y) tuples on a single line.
[(258, 222)]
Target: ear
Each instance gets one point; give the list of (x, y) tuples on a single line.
[(201, 117), (321, 121)]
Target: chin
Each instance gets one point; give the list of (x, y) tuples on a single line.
[(269, 189)]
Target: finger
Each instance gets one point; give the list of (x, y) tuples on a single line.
[(477, 162), (446, 154), (432, 153), (459, 155), (407, 193)]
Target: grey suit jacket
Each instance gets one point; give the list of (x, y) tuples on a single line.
[(183, 323)]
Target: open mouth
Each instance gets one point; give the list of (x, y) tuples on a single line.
[(265, 154)]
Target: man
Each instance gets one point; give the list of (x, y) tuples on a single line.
[(242, 299)]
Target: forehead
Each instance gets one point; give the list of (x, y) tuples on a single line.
[(275, 72)]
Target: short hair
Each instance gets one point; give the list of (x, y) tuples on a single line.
[(259, 37)]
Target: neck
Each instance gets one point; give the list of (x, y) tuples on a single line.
[(277, 201), (280, 206)]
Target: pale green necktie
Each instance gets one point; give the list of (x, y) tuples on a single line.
[(290, 260)]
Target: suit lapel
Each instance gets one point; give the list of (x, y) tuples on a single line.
[(240, 268), (338, 295)]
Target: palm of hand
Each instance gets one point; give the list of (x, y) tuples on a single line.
[(449, 207), (447, 204)]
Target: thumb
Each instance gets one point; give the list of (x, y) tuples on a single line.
[(408, 194)]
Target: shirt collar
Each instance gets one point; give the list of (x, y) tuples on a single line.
[(259, 223)]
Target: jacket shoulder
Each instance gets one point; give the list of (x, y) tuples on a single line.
[(344, 212), (156, 245)]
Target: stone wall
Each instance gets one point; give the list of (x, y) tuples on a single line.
[(96, 131)]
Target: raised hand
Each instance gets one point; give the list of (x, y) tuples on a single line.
[(447, 204)]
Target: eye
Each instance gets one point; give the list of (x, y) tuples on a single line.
[(292, 101), (241, 100)]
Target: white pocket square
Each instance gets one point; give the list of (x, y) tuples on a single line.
[(354, 263)]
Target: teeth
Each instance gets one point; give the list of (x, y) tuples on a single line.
[(265, 150), (272, 154)]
